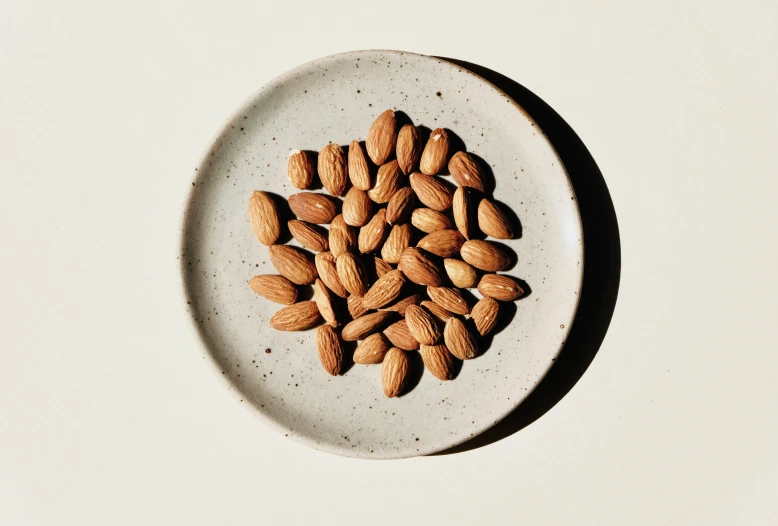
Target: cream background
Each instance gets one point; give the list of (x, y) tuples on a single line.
[(107, 416)]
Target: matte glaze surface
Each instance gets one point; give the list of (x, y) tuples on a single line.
[(279, 374)]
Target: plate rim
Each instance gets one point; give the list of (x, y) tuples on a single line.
[(185, 210)]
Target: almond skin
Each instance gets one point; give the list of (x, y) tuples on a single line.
[(352, 274), (422, 325), (435, 153), (459, 340), (461, 274), (330, 349), (492, 220), (333, 169), (382, 267), (294, 264), (382, 137), (401, 306), (384, 291), (355, 308), (366, 325), (263, 216), (328, 272), (437, 311), (298, 317), (313, 208), (485, 315), (499, 287), (394, 372), (419, 268), (443, 243), (449, 298), (372, 234), (438, 361), (308, 236), (323, 299), (400, 336), (429, 220), (300, 169), (463, 207), (399, 239), (343, 238), (358, 168), (372, 349), (431, 191), (274, 288), (486, 255), (400, 206), (357, 207), (408, 148), (466, 171), (388, 180)]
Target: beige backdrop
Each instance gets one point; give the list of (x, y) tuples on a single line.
[(107, 413)]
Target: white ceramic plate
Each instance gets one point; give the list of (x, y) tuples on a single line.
[(278, 374)]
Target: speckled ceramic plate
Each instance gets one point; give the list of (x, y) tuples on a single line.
[(278, 374)]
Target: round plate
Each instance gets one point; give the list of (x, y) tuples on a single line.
[(335, 99)]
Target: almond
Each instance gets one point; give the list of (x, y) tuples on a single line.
[(382, 137), (429, 220), (459, 340), (384, 291), (422, 325), (388, 180), (323, 300), (443, 243), (408, 148), (352, 274), (435, 153), (394, 372), (314, 208), (399, 239), (401, 306), (466, 171), (463, 207), (355, 308), (503, 288), (308, 236), (366, 325), (437, 311), (263, 216), (298, 317), (343, 238), (358, 168), (357, 207), (461, 274), (492, 220), (449, 298), (330, 349), (431, 191), (486, 255), (419, 268), (400, 336), (400, 206), (372, 349), (274, 288), (328, 272), (333, 169), (382, 267), (485, 315), (300, 168), (438, 361), (372, 234), (293, 263)]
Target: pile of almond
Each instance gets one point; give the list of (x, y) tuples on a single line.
[(389, 272)]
